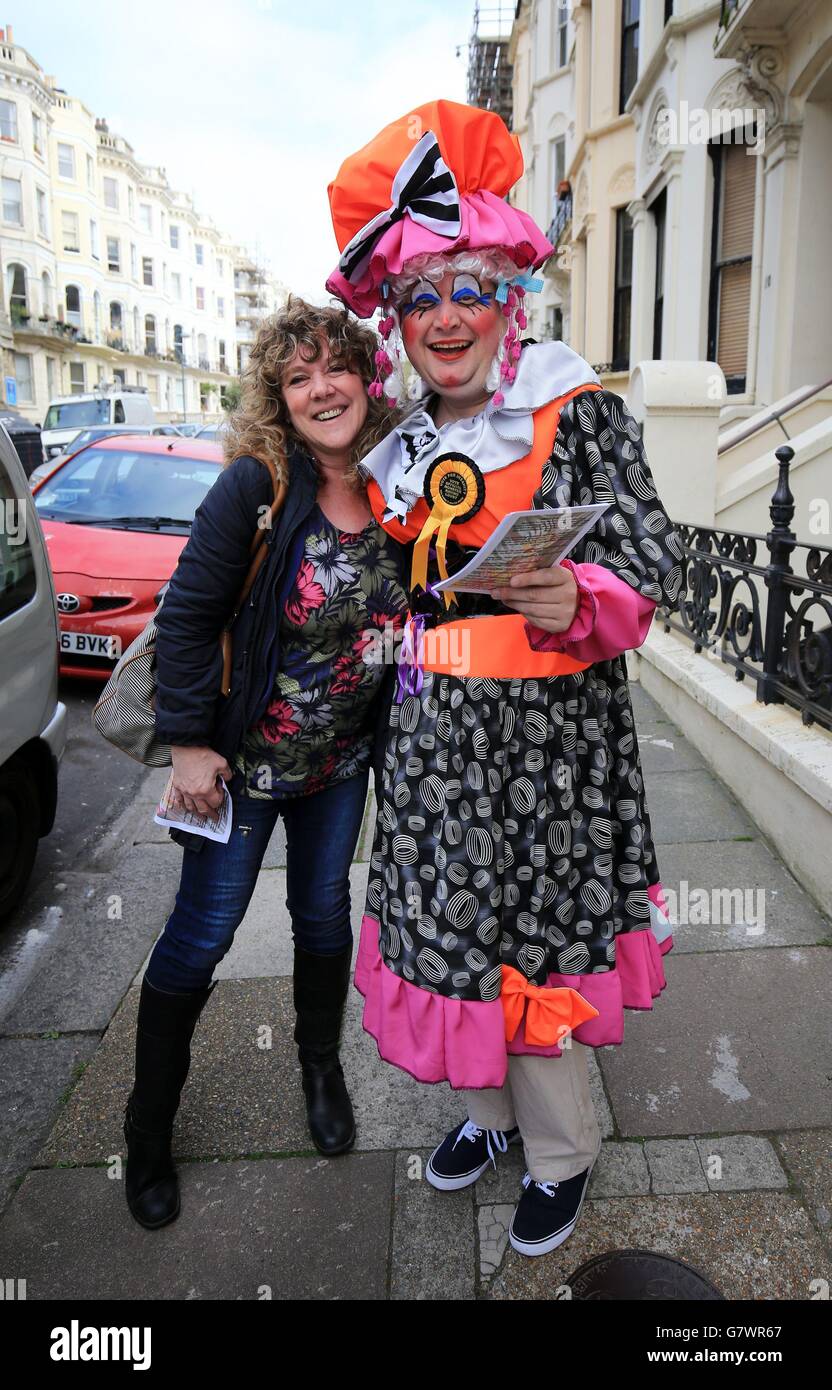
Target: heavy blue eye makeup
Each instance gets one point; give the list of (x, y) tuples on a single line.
[(468, 291), (423, 296)]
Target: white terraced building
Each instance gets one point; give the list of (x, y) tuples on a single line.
[(256, 295), (108, 273)]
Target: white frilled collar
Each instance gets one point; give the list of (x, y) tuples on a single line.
[(496, 437)]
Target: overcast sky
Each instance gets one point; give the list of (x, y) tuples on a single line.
[(251, 105)]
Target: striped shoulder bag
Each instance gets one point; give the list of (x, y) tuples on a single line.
[(125, 713)]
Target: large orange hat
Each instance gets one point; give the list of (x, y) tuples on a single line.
[(434, 181)]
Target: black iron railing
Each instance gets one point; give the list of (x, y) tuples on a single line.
[(742, 601)]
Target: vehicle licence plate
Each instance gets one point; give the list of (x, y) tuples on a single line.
[(91, 644)]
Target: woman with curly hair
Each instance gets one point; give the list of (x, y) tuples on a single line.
[(295, 734)]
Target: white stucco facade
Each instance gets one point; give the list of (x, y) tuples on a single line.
[(108, 273), (771, 64), (541, 45)]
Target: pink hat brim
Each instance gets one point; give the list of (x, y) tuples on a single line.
[(486, 221)]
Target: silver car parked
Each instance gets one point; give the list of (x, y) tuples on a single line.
[(32, 718)]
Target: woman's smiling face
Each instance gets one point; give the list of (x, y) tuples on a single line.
[(451, 330), (326, 401)]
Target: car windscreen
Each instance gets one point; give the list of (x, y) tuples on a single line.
[(78, 413), (82, 437), (91, 435), (124, 486)]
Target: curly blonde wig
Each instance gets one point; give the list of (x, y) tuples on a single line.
[(261, 425), (492, 262)]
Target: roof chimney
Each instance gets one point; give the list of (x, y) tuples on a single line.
[(9, 34)]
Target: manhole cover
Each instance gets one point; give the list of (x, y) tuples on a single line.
[(640, 1275)]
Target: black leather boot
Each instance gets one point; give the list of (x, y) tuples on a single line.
[(164, 1030), (320, 988)]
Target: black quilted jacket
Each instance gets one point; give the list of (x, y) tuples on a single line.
[(201, 596)]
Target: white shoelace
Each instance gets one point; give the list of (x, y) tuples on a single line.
[(547, 1187), (473, 1133)]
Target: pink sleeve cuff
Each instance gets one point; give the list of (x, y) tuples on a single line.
[(611, 618)]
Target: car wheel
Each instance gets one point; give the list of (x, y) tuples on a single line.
[(19, 831)]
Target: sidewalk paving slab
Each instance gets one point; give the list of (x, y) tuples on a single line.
[(293, 1228), (34, 1072), (688, 806), (807, 1156), (675, 1166), (620, 1171), (744, 1161), (93, 951), (433, 1236), (737, 871), (750, 1245), (646, 709), (734, 1045), (661, 750), (493, 1221)]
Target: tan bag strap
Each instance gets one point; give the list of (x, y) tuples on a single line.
[(258, 554)]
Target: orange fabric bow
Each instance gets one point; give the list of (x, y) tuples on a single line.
[(551, 1013)]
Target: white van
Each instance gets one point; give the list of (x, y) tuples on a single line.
[(107, 405), (32, 718)]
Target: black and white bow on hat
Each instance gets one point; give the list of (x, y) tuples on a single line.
[(425, 189)]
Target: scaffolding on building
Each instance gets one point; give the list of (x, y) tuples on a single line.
[(489, 69)]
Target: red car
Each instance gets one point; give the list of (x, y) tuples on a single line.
[(116, 516)]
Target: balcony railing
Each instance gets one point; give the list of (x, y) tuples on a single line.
[(760, 616), (116, 339), (727, 12), (47, 326), (561, 219)]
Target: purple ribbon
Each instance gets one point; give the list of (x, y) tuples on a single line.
[(410, 675)]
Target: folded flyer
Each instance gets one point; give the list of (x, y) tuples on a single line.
[(214, 826), (521, 542)]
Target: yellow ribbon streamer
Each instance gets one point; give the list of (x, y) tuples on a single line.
[(442, 514)]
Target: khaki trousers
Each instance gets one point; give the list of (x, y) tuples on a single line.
[(548, 1098)]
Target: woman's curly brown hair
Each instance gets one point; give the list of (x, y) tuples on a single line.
[(261, 426)]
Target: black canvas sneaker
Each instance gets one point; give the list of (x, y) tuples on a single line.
[(547, 1213), (465, 1154)]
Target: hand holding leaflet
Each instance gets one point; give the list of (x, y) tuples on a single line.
[(521, 542), (214, 826)]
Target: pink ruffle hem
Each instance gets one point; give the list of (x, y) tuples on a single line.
[(463, 1042)]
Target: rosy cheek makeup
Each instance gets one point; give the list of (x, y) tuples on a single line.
[(481, 325)]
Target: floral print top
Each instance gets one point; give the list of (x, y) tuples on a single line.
[(342, 614)]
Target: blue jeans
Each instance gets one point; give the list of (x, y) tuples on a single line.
[(218, 881)]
